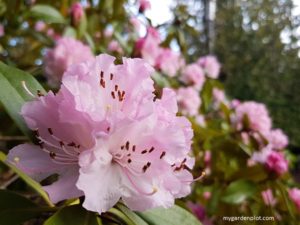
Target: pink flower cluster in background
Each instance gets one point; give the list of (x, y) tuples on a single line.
[(67, 51)]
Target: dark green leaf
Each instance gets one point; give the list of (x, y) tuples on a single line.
[(13, 94), (171, 216), (239, 191), (73, 215), (16, 209)]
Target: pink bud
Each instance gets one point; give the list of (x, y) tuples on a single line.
[(76, 13)]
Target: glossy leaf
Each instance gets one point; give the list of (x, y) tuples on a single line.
[(47, 13), (73, 215), (12, 93), (239, 191), (33, 184), (16, 209), (131, 215), (171, 216)]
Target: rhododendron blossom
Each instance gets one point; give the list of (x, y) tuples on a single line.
[(108, 138), (169, 62), (188, 100), (148, 47), (67, 51), (277, 139), (257, 116), (211, 66), (193, 74)]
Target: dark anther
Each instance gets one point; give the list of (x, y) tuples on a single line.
[(113, 95), (183, 161), (116, 87), (129, 160), (151, 149), (61, 143), (122, 147), (144, 151), (133, 148), (145, 168), (101, 74), (52, 155), (41, 144), (50, 131), (102, 83), (72, 144), (108, 129), (127, 145), (36, 133), (148, 164), (111, 76), (162, 155)]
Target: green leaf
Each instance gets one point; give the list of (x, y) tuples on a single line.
[(131, 215), (47, 13), (12, 93), (73, 215), (16, 209), (70, 32), (239, 191), (171, 216), (33, 184)]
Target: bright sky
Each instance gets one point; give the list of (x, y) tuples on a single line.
[(160, 11)]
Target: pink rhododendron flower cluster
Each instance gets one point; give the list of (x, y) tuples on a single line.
[(256, 114), (277, 139), (294, 194), (193, 74), (189, 101), (67, 51), (164, 59), (169, 62), (273, 160), (211, 66), (108, 138)]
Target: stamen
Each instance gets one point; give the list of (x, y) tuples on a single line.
[(122, 147), (127, 145), (111, 76), (27, 90), (102, 83), (116, 88), (144, 151), (101, 74), (129, 160), (52, 155), (137, 188), (113, 95), (162, 155), (133, 148), (151, 149), (50, 131), (196, 179)]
